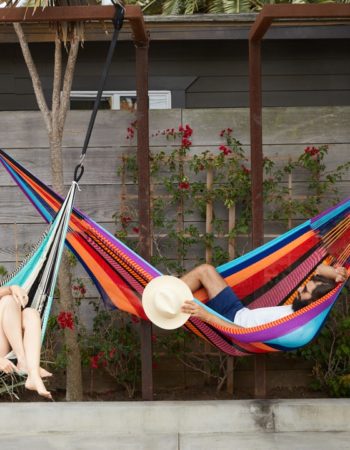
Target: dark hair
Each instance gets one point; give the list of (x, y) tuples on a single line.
[(323, 286)]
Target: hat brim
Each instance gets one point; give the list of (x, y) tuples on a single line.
[(176, 286)]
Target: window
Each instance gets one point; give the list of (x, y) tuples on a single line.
[(124, 100)]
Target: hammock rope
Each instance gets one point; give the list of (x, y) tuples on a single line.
[(118, 23)]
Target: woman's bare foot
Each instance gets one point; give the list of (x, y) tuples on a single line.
[(35, 383), (22, 370), (44, 373)]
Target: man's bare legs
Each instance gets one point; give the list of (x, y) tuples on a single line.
[(205, 276)]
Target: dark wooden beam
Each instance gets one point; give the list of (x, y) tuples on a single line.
[(288, 11), (144, 204), (133, 14)]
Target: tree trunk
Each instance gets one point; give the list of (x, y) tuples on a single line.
[(54, 121)]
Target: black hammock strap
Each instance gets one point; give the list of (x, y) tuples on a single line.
[(118, 23)]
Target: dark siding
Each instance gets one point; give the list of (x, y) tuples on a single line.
[(200, 74)]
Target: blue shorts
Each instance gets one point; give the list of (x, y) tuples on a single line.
[(226, 303)]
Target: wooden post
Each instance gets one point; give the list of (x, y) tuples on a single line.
[(209, 216), (231, 253), (257, 181), (290, 185), (208, 230), (143, 162)]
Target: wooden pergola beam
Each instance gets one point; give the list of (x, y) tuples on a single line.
[(286, 11), (87, 13)]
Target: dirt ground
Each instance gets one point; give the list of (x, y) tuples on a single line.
[(180, 393)]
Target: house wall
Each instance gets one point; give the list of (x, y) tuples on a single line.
[(200, 74)]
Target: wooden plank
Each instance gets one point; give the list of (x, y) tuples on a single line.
[(19, 238), (7, 84), (270, 99), (305, 124), (99, 202), (273, 83)]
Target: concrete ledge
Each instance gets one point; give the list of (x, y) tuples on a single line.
[(202, 417)]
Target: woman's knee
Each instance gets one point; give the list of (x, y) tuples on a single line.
[(9, 301), (30, 314)]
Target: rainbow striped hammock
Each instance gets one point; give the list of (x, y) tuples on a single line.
[(266, 276)]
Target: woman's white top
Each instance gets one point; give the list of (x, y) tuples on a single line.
[(254, 317)]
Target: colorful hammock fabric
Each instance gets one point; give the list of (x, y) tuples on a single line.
[(38, 272), (266, 276)]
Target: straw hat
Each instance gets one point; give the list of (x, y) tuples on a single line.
[(162, 300)]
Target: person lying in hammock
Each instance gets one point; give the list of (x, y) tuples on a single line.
[(224, 301), (20, 331)]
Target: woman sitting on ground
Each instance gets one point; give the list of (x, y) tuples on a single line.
[(224, 301), (20, 331)]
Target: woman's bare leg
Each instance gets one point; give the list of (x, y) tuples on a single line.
[(32, 347), (205, 275), (11, 329)]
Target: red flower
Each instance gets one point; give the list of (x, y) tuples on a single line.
[(225, 150), (130, 133), (184, 185), (226, 131), (312, 151), (125, 219), (154, 338), (112, 353), (186, 131), (245, 169), (135, 319), (94, 362), (136, 230), (65, 320), (185, 143)]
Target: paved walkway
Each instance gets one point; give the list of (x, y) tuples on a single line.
[(217, 441), (217, 425)]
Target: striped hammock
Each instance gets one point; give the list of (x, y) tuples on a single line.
[(38, 272), (267, 276)]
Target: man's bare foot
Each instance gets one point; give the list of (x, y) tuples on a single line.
[(35, 383)]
